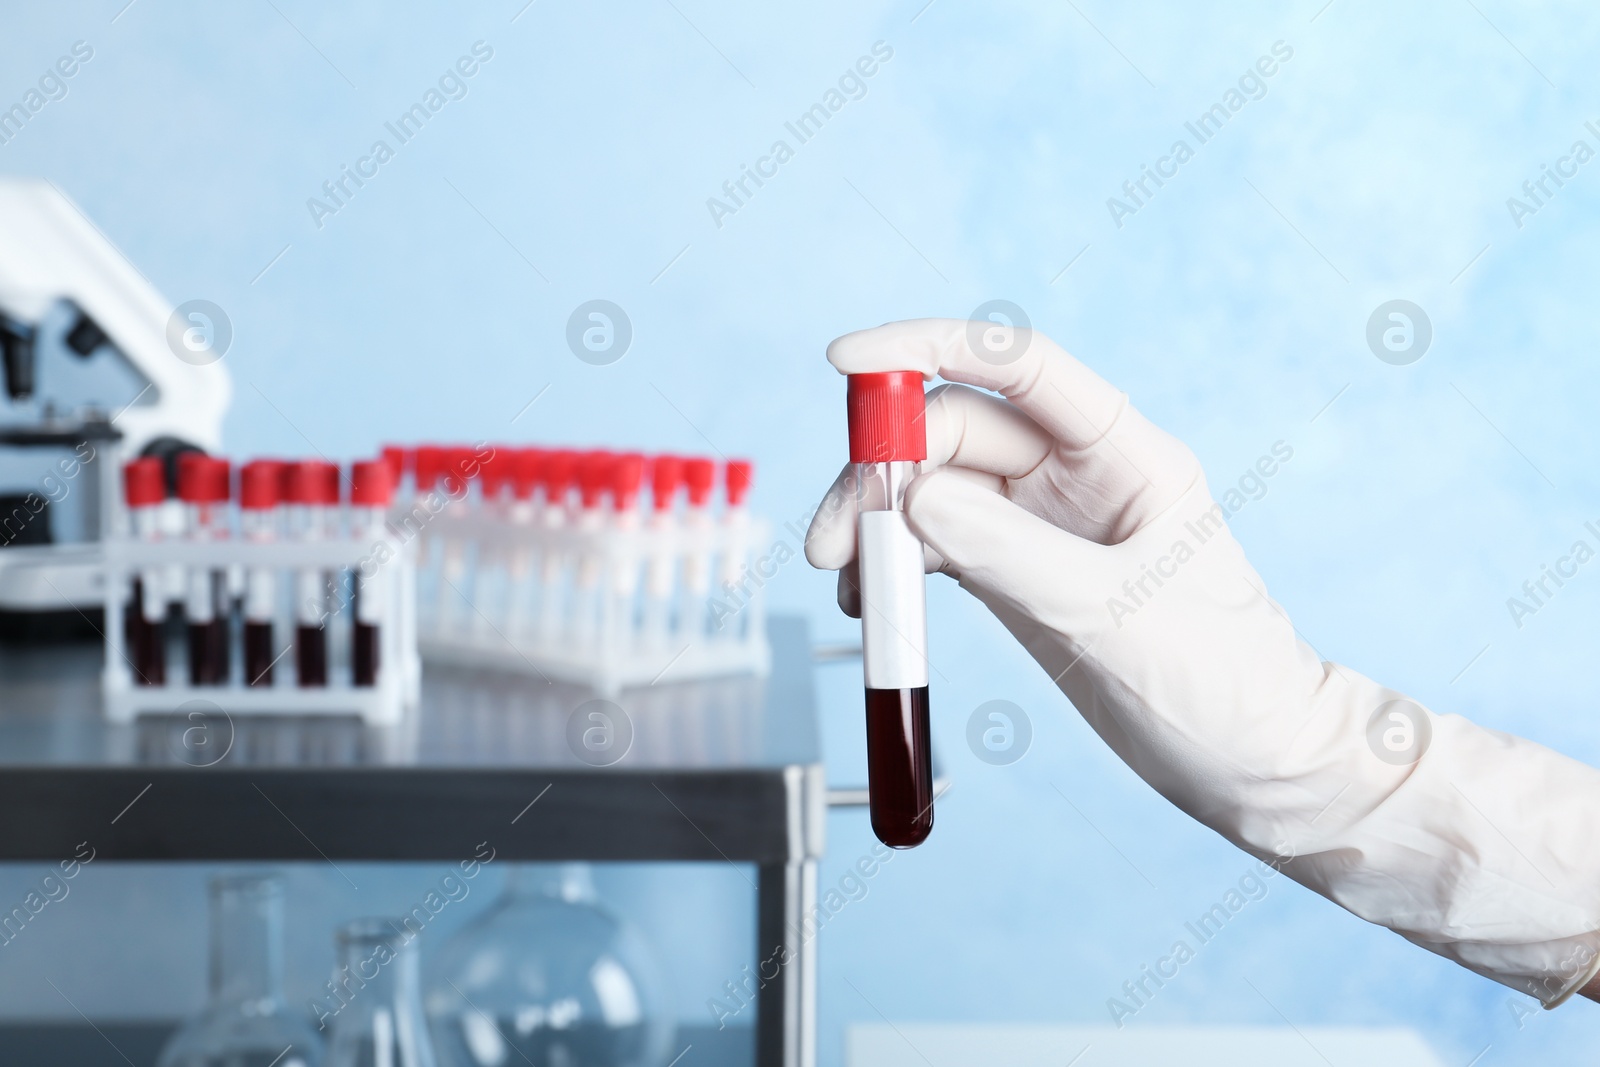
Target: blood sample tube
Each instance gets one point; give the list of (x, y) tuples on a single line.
[(371, 489), (666, 479), (203, 487), (495, 477), (594, 481), (426, 464), (887, 441), (700, 475), (560, 470), (627, 478), (735, 550), (456, 484), (144, 485), (303, 490), (260, 490), (527, 470), (491, 562)]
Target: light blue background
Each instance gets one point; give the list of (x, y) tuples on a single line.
[(977, 166)]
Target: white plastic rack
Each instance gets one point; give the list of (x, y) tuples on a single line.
[(357, 569), (543, 562)]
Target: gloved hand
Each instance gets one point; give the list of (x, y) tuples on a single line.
[(1092, 536)]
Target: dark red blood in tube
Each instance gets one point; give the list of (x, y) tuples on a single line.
[(145, 641), (899, 766), (258, 656), (364, 655), (311, 655), (208, 652)]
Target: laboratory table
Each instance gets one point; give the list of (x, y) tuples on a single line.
[(719, 771)]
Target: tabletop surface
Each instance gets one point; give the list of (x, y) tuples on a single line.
[(719, 770), (468, 718)]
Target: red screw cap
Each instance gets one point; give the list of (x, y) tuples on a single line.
[(627, 477), (527, 471), (260, 484), (372, 483), (303, 482), (398, 459), (666, 478), (594, 476), (701, 474), (738, 476), (886, 417), (427, 465), (327, 483), (459, 465), (560, 469), (144, 482), (494, 470), (203, 479)]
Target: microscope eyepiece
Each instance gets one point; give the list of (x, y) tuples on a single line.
[(16, 347)]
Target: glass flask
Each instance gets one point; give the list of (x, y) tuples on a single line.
[(246, 1022), (548, 977), (374, 999)]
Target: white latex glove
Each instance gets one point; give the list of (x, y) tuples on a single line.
[(1092, 536)]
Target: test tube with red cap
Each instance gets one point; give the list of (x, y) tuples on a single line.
[(260, 522), (627, 479), (144, 486), (666, 481), (203, 488), (526, 467), (493, 468), (305, 486), (699, 474), (371, 490), (426, 464), (559, 474), (735, 578), (887, 441), (594, 483), (455, 481)]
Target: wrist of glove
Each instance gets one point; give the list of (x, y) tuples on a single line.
[(1092, 536)]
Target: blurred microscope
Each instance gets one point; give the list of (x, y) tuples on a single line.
[(98, 366)]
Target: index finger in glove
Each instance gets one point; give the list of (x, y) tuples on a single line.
[(1073, 403), (1135, 469)]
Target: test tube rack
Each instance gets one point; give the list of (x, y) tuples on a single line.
[(603, 597), (386, 566)]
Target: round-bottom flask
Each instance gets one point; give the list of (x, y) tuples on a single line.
[(548, 976)]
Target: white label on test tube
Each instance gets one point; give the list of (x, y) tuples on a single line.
[(894, 606), (147, 527), (366, 524)]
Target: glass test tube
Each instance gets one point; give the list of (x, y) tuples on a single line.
[(699, 474), (560, 469), (260, 521), (303, 492), (666, 478), (144, 486), (594, 474), (527, 470), (627, 478), (371, 490), (887, 441), (204, 489), (491, 566), (736, 582)]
